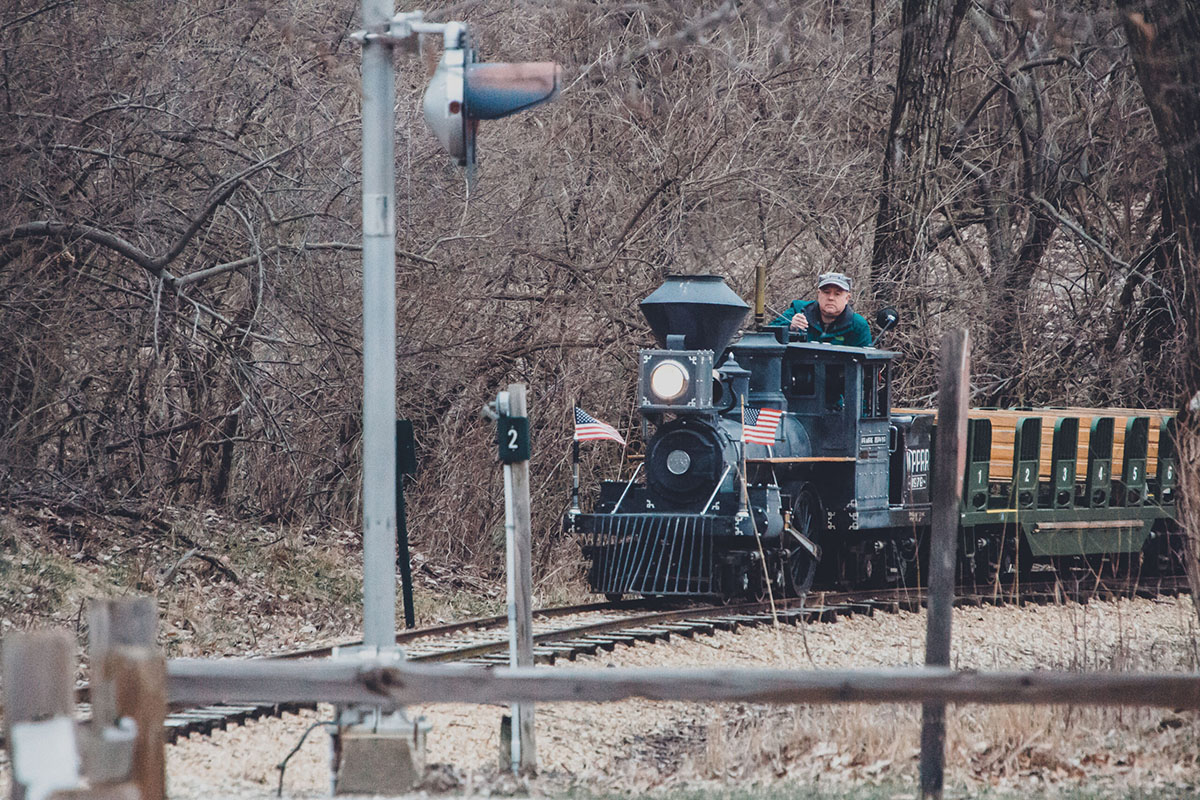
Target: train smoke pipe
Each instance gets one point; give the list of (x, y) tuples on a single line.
[(701, 308)]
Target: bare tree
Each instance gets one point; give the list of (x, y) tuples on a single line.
[(179, 291), (920, 105), (1164, 38)]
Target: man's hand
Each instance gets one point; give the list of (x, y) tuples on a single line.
[(799, 323)]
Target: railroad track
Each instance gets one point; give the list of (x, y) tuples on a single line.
[(567, 632)]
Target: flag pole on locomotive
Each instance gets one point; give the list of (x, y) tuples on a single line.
[(575, 510), (587, 429), (743, 496), (759, 426), (762, 428)]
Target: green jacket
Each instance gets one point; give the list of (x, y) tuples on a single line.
[(848, 329)]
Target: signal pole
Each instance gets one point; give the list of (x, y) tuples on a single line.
[(379, 331), (376, 750)]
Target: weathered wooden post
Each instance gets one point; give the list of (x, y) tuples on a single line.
[(116, 622), (110, 759), (39, 707), (129, 682), (513, 440), (949, 462)]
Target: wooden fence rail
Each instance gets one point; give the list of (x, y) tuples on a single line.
[(201, 682)]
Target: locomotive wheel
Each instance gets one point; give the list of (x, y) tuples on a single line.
[(733, 584), (1015, 564), (1006, 559), (808, 518), (908, 557), (1162, 556), (1110, 565), (762, 590)]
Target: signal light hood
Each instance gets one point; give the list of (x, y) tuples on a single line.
[(701, 308)]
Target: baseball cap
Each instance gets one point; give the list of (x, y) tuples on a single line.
[(834, 279)]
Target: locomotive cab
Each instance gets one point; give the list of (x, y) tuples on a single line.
[(841, 395)]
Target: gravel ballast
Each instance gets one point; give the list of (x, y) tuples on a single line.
[(637, 746)]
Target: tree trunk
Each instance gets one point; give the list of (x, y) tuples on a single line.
[(1164, 40), (928, 33)]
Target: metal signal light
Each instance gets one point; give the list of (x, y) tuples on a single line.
[(464, 91)]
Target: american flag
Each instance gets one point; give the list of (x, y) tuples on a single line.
[(588, 428), (760, 425)]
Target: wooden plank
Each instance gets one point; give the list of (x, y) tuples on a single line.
[(409, 683), (1004, 422)]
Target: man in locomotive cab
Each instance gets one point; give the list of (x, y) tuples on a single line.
[(830, 318)]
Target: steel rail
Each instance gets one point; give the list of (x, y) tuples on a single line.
[(656, 623)]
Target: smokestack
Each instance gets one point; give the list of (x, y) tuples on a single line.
[(701, 308)]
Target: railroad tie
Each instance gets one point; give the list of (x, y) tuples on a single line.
[(683, 628), (583, 646), (886, 606), (622, 638), (602, 642), (722, 623)]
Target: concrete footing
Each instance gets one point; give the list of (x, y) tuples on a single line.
[(380, 762)]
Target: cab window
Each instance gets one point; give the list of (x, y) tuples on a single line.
[(835, 386), (875, 400), (802, 380)]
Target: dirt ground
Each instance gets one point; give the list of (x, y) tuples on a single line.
[(636, 747), (226, 590)]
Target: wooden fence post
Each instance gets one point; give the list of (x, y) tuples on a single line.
[(116, 622), (39, 685), (129, 680), (138, 676), (949, 462)]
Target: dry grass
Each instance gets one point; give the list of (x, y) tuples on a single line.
[(1007, 744), (1030, 747), (295, 585)]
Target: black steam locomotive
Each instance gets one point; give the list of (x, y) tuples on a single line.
[(843, 496)]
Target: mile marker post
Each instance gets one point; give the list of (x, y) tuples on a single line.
[(949, 461), (512, 435)]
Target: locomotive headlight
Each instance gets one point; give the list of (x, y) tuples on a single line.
[(675, 380), (669, 380)]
